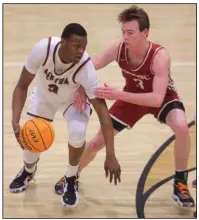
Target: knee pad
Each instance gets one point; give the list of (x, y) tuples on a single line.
[(76, 143), (76, 133), (77, 124), (30, 157)]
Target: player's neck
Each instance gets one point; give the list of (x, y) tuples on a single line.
[(139, 51), (63, 57)]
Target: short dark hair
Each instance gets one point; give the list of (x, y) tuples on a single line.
[(73, 28), (135, 13)]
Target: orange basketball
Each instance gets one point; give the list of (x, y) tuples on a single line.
[(37, 135)]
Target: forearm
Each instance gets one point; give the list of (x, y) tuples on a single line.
[(97, 64), (106, 124), (150, 99), (107, 130), (18, 101)]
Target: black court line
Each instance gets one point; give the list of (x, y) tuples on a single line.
[(142, 197)]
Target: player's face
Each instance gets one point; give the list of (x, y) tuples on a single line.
[(132, 35), (75, 47)]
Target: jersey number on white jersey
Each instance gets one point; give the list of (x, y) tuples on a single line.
[(53, 88)]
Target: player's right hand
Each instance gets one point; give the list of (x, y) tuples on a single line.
[(79, 99), (16, 129)]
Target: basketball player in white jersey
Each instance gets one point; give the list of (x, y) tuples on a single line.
[(60, 66)]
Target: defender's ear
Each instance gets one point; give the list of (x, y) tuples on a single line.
[(146, 32)]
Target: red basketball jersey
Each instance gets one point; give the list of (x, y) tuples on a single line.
[(140, 79)]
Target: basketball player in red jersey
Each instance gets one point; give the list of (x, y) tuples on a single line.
[(148, 90)]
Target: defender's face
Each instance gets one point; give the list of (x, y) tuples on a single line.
[(132, 35), (75, 47)]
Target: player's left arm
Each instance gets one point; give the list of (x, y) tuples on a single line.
[(161, 69), (87, 78)]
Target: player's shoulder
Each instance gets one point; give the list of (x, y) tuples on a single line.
[(162, 54), (54, 40), (155, 44), (161, 60), (159, 50), (84, 68), (86, 64), (116, 44), (44, 42), (41, 43)]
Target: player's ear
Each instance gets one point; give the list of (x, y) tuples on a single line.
[(63, 41), (146, 32)]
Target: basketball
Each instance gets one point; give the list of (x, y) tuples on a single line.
[(37, 135)]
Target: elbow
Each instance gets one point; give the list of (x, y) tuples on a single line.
[(19, 90), (95, 64)]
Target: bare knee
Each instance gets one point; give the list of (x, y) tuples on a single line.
[(177, 122), (97, 143), (180, 129)]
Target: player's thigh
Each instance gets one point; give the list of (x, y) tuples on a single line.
[(98, 142), (125, 115), (70, 113), (172, 113), (39, 108), (169, 104)]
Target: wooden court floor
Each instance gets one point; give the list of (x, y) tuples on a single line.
[(173, 26)]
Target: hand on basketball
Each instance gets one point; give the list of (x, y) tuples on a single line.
[(112, 169), (79, 99), (107, 92), (16, 129)]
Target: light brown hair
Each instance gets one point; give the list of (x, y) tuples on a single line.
[(135, 13)]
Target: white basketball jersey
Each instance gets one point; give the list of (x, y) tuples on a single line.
[(58, 84)]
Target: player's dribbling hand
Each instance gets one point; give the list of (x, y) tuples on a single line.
[(79, 99), (16, 129), (112, 169)]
